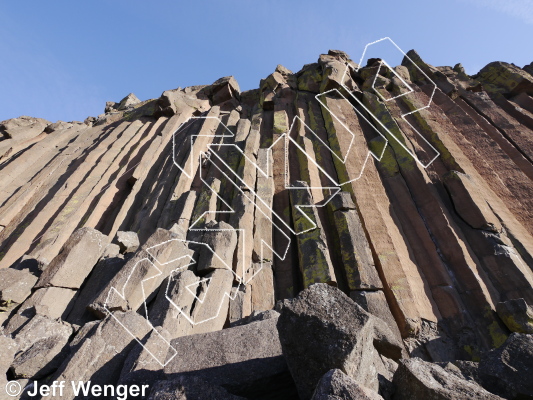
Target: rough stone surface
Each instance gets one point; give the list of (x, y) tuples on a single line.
[(502, 370), (75, 261), (356, 255), (15, 285), (416, 379), (42, 343), (168, 252), (336, 385), (128, 101), (221, 239), (9, 349), (99, 353), (53, 302), (101, 274), (507, 77), (323, 329), (23, 128), (313, 254), (42, 358), (189, 388), (234, 359), (387, 337), (127, 241), (517, 315)]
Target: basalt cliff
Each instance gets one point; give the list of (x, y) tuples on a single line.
[(343, 232)]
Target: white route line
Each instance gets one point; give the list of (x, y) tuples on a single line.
[(251, 195)]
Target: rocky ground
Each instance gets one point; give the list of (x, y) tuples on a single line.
[(326, 236)]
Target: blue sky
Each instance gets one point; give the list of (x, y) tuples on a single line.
[(64, 59)]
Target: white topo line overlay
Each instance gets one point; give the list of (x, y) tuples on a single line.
[(262, 205)]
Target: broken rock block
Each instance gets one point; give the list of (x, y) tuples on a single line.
[(323, 329), (42, 347), (112, 250), (127, 241), (337, 385), (334, 71), (179, 101), (41, 359), (129, 101), (220, 242), (261, 287), (174, 303), (15, 286), (225, 92), (212, 301), (23, 128), (145, 362), (504, 370), (139, 279), (188, 388), (52, 302), (9, 348), (204, 209), (517, 315), (75, 261), (387, 340), (507, 78), (100, 353), (529, 68), (41, 327), (234, 359), (187, 304), (104, 271), (240, 305), (417, 379), (310, 78)]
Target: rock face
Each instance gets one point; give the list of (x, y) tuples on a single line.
[(416, 379), (189, 388), (235, 359), (75, 261), (127, 241), (503, 369), (517, 315), (337, 385), (385, 212), (324, 329), (40, 354), (15, 286)]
